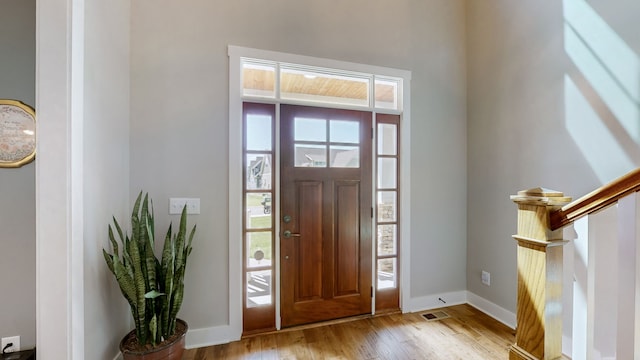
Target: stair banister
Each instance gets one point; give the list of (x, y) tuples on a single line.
[(596, 200), (539, 312), (542, 213)]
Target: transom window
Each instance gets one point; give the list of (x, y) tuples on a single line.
[(297, 83)]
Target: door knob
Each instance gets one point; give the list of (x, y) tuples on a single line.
[(288, 234)]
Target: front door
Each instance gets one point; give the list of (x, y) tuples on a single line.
[(326, 210)]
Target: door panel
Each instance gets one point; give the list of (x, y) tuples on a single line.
[(326, 192), (309, 244), (346, 220)]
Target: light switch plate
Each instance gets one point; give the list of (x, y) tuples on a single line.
[(176, 205), (486, 278)]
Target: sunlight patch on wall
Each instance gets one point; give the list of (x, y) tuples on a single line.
[(596, 142), (617, 100), (606, 61), (605, 43)]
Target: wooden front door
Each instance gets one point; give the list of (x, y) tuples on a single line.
[(325, 229)]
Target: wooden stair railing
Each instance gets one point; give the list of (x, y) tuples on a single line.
[(542, 214), (596, 200)]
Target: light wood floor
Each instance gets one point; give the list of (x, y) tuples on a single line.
[(467, 334)]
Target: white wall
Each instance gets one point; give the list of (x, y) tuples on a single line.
[(179, 116), (17, 186), (542, 111), (106, 169)]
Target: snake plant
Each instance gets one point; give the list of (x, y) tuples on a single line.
[(153, 287)]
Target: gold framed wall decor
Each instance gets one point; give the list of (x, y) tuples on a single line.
[(17, 133)]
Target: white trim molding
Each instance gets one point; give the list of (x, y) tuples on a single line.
[(224, 334), (435, 301), (59, 179), (236, 54), (216, 335), (495, 311)]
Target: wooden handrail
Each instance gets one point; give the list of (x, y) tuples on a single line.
[(596, 200)]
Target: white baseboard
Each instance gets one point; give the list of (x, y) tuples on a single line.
[(436, 301), (567, 346), (224, 334), (209, 336), (495, 311), (118, 357)]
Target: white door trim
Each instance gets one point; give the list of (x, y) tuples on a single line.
[(235, 169), (59, 179)]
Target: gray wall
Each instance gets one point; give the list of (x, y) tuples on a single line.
[(106, 169), (543, 113), (179, 116), (17, 186)]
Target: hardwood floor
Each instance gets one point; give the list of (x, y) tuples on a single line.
[(466, 334)]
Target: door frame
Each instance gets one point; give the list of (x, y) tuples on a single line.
[(236, 99)]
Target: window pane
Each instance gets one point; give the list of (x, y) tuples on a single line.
[(310, 129), (386, 93), (387, 240), (317, 86), (258, 210), (259, 132), (387, 206), (259, 288), (259, 171), (345, 156), (258, 249), (386, 273), (258, 80), (310, 155), (344, 131), (387, 139), (387, 173)]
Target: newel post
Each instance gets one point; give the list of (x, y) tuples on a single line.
[(539, 313)]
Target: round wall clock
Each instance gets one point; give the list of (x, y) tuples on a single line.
[(17, 133)]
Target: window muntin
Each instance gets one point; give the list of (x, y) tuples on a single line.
[(387, 219), (259, 225), (263, 79)]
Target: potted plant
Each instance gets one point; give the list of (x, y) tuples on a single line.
[(153, 287)]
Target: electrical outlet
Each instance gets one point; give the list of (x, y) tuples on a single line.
[(176, 205), (486, 278), (15, 340)]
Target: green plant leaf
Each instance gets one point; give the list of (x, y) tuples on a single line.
[(114, 243), (109, 259), (153, 294), (153, 328)]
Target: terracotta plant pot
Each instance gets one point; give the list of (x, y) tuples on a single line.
[(167, 350)]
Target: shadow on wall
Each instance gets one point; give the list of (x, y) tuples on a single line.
[(602, 112), (602, 115)]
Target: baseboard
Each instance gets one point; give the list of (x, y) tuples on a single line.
[(567, 346), (495, 311), (436, 301), (224, 334), (209, 336), (197, 338)]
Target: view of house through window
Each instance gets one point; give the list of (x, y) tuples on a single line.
[(258, 220)]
